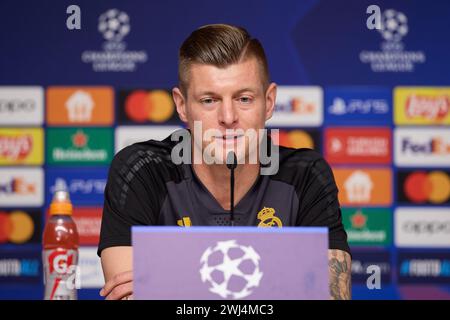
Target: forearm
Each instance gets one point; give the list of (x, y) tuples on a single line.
[(339, 263), (116, 260)]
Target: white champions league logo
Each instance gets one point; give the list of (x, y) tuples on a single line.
[(114, 25), (393, 57), (394, 25), (229, 260)]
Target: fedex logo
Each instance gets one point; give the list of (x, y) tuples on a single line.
[(422, 147), (17, 186), (433, 146), (298, 106), (21, 187)]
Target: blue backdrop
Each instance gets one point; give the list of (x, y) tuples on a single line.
[(308, 42)]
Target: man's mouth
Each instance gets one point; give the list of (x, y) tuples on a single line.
[(229, 138)]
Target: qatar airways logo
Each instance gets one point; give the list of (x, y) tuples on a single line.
[(428, 107), (212, 146)]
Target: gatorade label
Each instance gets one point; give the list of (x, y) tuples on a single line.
[(61, 274)]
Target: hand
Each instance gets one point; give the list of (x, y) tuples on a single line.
[(119, 287)]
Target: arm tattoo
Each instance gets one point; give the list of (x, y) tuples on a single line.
[(339, 263)]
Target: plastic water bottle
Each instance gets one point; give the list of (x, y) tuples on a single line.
[(60, 251)]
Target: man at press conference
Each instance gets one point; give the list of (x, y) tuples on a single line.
[(224, 84)]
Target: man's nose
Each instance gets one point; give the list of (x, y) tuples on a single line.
[(227, 114)]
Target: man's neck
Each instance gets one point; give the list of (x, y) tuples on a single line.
[(216, 178)]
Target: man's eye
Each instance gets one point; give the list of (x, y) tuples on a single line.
[(207, 101), (245, 100)]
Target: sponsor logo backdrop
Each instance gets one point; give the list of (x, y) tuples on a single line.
[(376, 105)]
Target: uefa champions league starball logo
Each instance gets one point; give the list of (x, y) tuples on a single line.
[(231, 270), (114, 25), (394, 25)]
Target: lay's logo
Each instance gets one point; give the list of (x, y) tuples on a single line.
[(422, 106), (21, 146)]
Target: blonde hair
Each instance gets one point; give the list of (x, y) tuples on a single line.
[(219, 45)]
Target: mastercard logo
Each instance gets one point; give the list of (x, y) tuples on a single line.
[(156, 106), (295, 139), (422, 187), (16, 227)]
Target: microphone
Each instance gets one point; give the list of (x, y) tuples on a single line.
[(231, 164)]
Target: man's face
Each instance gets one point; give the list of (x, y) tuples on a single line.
[(223, 99)]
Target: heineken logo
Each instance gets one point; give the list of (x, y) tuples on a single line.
[(89, 146), (358, 220), (368, 226), (79, 139)]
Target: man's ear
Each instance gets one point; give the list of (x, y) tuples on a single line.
[(180, 103), (271, 95)]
